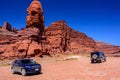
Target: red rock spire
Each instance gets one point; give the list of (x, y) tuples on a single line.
[(35, 16)]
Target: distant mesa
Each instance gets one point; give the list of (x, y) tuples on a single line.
[(108, 48), (7, 26)]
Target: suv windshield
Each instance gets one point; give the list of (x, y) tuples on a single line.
[(28, 62)]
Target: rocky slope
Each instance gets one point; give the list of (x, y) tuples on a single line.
[(62, 38), (59, 38), (108, 48)]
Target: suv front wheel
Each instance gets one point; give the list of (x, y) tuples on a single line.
[(23, 72), (12, 71)]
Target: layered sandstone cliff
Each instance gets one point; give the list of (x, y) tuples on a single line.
[(59, 38), (62, 38)]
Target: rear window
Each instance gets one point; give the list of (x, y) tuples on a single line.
[(98, 53)]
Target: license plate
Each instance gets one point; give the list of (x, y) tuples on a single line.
[(36, 69)]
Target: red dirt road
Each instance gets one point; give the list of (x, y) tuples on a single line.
[(80, 69)]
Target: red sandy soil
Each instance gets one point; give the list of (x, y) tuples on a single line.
[(80, 69)]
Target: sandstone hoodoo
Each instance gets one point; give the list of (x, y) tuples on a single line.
[(34, 30), (35, 16)]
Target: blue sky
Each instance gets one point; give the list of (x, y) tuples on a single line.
[(99, 19)]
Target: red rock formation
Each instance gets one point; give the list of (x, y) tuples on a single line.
[(28, 41), (7, 47), (59, 39), (25, 43), (108, 48), (62, 39), (35, 16), (35, 41), (35, 22), (34, 49), (8, 27)]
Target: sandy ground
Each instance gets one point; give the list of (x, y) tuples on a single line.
[(80, 69)]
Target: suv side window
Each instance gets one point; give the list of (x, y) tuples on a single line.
[(14, 63), (17, 63)]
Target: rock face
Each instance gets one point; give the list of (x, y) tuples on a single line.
[(7, 45), (108, 48), (62, 39), (28, 37), (24, 43), (59, 39)]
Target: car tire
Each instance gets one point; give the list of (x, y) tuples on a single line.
[(100, 61), (38, 72), (92, 61), (105, 60), (12, 71), (23, 72)]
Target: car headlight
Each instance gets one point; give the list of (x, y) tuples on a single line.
[(37, 66)]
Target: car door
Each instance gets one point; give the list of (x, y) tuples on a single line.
[(14, 66), (19, 66)]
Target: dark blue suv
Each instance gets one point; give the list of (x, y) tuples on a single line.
[(25, 66)]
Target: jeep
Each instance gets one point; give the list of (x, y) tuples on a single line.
[(97, 57)]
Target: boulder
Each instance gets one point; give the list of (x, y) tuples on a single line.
[(34, 49), (23, 48)]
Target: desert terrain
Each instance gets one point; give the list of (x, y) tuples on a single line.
[(75, 69)]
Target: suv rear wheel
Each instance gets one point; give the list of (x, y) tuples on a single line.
[(92, 61), (100, 61)]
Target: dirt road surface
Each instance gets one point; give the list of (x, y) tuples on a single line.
[(80, 69)]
